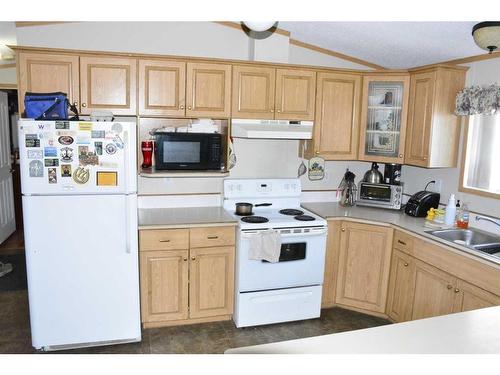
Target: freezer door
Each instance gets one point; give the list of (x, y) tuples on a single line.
[(82, 265), (77, 157)]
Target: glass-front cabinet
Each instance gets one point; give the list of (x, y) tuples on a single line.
[(383, 118)]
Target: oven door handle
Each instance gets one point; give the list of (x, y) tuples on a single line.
[(320, 232)]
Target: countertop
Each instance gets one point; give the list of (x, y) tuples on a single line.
[(161, 218), (333, 210), (476, 331)]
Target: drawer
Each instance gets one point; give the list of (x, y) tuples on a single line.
[(211, 236), (403, 241), (163, 239)]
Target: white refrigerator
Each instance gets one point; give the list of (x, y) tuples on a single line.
[(79, 187)]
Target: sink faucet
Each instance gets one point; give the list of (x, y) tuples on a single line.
[(497, 222)]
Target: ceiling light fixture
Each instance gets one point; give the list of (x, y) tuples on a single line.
[(259, 26), (487, 35)]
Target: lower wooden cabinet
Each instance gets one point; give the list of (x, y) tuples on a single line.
[(364, 264), (471, 297), (186, 284), (401, 286)]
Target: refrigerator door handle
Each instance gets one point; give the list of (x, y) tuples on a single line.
[(127, 226)]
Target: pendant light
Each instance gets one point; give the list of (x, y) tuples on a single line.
[(259, 26), (487, 35)]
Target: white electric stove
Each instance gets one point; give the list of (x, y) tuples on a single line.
[(290, 289)]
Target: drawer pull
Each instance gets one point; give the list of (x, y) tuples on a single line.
[(185, 259), (457, 290), (212, 237), (402, 242), (193, 258), (164, 240), (449, 286), (406, 264)]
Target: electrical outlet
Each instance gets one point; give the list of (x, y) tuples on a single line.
[(437, 185)]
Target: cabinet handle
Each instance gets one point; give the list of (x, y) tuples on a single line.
[(402, 242), (181, 107), (425, 157), (271, 110), (212, 237), (343, 229), (406, 264), (449, 286), (456, 290), (84, 105), (189, 107), (279, 111), (316, 152), (75, 103), (193, 258), (400, 156), (185, 259), (164, 240)]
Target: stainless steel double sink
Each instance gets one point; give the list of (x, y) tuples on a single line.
[(472, 238)]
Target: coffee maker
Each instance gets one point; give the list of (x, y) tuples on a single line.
[(392, 174)]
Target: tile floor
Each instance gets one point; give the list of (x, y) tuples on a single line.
[(201, 338)]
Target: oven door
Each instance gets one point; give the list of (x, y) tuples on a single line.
[(302, 261), (375, 193)]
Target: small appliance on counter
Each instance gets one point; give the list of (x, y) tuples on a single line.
[(421, 202), (392, 174), (380, 195), (373, 175)]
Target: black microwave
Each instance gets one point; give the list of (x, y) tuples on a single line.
[(188, 151)]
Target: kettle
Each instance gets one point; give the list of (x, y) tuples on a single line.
[(373, 176)]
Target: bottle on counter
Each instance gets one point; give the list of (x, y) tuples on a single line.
[(451, 210), (463, 217)]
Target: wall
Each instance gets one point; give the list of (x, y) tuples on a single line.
[(8, 76), (483, 72)]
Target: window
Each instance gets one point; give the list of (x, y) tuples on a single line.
[(481, 166)]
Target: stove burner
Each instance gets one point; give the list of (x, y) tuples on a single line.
[(304, 218), (291, 212), (240, 214), (255, 219)]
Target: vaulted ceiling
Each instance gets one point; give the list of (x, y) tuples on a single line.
[(390, 44)]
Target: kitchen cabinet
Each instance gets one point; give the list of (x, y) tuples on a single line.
[(187, 275), (269, 93), (44, 73), (331, 263), (108, 83), (208, 90), (433, 129), (336, 124), (253, 92), (401, 286), (471, 297), (383, 118), (162, 88), (364, 264)]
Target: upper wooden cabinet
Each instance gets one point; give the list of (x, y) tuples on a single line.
[(383, 118), (336, 124), (162, 88), (253, 92), (433, 130), (208, 90), (295, 94), (270, 93), (44, 73), (108, 83), (364, 264)]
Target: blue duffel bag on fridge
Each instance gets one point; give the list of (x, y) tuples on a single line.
[(48, 106)]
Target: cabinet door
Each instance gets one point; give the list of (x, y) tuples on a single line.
[(383, 118), (331, 263), (208, 91), (401, 286), (162, 88), (434, 292), (420, 118), (44, 73), (164, 285), (253, 92), (336, 128), (295, 94), (364, 263), (211, 282), (108, 84), (470, 297)]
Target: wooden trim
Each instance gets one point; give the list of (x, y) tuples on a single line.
[(335, 54), (469, 59), (7, 66), (433, 67), (170, 323), (39, 23), (8, 86), (94, 53), (239, 26), (461, 185)]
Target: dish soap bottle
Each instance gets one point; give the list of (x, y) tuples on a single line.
[(463, 217), (451, 210)]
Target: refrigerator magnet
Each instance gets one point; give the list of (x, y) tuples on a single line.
[(31, 140), (67, 154), (51, 162), (98, 148), (66, 170), (65, 140), (50, 152), (52, 172), (81, 175), (36, 168), (62, 124), (107, 178), (35, 154), (85, 126), (110, 148), (97, 134)]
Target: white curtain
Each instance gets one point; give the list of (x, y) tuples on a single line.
[(482, 168)]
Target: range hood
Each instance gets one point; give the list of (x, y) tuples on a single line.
[(271, 129)]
